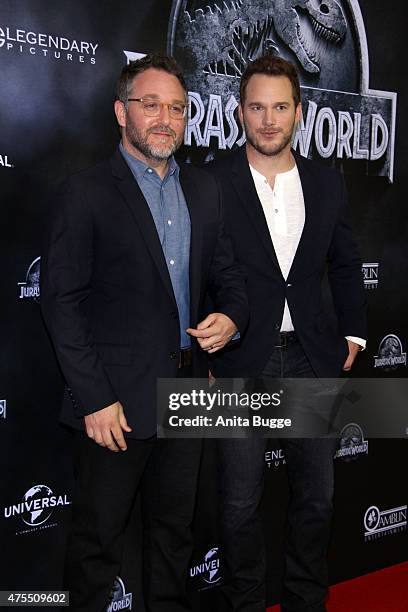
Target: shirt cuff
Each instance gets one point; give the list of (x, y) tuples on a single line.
[(236, 336), (358, 341)]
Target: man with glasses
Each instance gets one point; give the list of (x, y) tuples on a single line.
[(135, 245)]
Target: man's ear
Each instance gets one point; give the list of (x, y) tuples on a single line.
[(298, 112), (240, 114), (120, 112)]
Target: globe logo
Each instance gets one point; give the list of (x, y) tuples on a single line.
[(211, 560), (34, 516)]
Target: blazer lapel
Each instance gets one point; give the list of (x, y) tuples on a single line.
[(140, 210), (312, 215), (245, 187), (192, 195)]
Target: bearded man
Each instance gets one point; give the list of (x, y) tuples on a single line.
[(286, 216), (134, 247)]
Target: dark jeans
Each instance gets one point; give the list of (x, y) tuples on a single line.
[(106, 484), (310, 474)]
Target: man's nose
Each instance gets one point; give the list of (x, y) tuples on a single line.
[(164, 114), (269, 116)]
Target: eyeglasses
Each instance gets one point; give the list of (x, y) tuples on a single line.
[(153, 108)]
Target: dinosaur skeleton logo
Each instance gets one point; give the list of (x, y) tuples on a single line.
[(214, 40)]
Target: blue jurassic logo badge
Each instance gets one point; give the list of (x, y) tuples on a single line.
[(390, 354), (119, 600), (342, 118), (208, 570), (351, 444), (30, 288)]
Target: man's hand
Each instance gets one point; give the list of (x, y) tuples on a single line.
[(214, 332), (353, 350), (105, 427)]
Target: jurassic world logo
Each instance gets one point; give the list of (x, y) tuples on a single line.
[(343, 119)]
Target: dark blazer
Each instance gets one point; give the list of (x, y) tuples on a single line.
[(106, 293), (326, 241)]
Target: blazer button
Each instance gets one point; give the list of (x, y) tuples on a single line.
[(277, 326), (174, 315), (173, 355)]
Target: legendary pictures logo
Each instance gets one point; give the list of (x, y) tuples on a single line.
[(390, 354), (385, 522), (5, 162), (209, 569), (370, 275), (342, 117), (47, 45), (120, 600), (274, 458), (36, 508), (3, 408), (352, 443), (30, 289)]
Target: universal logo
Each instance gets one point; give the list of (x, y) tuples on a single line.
[(4, 162), (370, 275), (36, 508), (120, 600), (30, 289), (352, 444), (3, 407), (390, 354), (47, 45), (208, 570), (379, 523), (275, 458)]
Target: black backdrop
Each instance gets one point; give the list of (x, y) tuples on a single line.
[(56, 117)]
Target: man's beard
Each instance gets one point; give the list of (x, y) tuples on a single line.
[(271, 149), (140, 142)]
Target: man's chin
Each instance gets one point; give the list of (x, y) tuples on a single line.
[(270, 149)]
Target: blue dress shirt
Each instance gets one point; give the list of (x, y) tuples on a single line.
[(169, 210)]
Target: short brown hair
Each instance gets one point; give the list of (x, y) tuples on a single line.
[(159, 62), (271, 65)]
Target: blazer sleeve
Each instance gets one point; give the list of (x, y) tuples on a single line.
[(345, 276), (66, 274), (227, 281)]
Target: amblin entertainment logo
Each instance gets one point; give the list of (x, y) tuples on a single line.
[(47, 45), (379, 523), (370, 275)]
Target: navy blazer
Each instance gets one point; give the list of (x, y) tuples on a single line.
[(326, 243), (106, 293)]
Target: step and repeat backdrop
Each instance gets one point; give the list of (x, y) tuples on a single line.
[(58, 66)]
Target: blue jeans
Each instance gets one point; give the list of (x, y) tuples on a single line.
[(310, 474)]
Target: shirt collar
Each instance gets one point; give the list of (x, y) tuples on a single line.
[(282, 176), (140, 169)]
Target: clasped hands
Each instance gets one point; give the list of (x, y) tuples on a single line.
[(106, 426)]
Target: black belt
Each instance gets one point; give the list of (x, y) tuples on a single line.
[(285, 338), (185, 358)]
